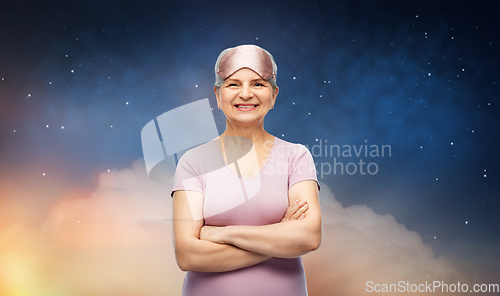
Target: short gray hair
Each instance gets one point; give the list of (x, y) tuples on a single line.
[(219, 81)]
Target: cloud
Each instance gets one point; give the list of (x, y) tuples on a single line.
[(114, 241), (124, 205), (117, 241), (360, 245)]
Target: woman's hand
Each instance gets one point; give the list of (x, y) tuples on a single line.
[(214, 234), (296, 211)]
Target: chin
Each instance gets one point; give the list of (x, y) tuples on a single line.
[(247, 121)]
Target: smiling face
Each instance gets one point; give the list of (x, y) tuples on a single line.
[(245, 98)]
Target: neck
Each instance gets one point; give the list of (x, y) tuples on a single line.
[(256, 133)]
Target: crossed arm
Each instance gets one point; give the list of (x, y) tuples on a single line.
[(217, 249)]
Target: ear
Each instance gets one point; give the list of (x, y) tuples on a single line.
[(217, 97), (275, 95)]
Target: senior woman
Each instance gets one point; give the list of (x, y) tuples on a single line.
[(245, 205)]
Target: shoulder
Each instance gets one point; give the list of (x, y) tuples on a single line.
[(290, 149), (301, 164), (198, 152), (199, 159)]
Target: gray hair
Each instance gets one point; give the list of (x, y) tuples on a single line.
[(219, 81)]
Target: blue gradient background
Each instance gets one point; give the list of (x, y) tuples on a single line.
[(416, 75)]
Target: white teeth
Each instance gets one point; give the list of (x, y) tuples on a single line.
[(246, 106)]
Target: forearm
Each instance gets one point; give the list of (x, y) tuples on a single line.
[(283, 240), (206, 256)]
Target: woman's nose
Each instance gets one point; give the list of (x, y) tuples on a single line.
[(246, 92)]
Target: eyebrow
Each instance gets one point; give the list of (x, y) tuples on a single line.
[(253, 80)]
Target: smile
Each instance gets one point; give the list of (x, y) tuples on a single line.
[(245, 107)]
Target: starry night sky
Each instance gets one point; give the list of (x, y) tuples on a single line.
[(80, 79)]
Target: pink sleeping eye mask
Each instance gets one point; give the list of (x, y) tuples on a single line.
[(246, 56)]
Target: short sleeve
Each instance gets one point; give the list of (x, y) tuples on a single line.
[(187, 174), (302, 166)]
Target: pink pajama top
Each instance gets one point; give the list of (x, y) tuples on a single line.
[(259, 200)]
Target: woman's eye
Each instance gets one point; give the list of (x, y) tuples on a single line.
[(259, 84)]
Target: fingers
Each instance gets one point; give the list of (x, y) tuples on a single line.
[(296, 210), (291, 210), (300, 211)]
